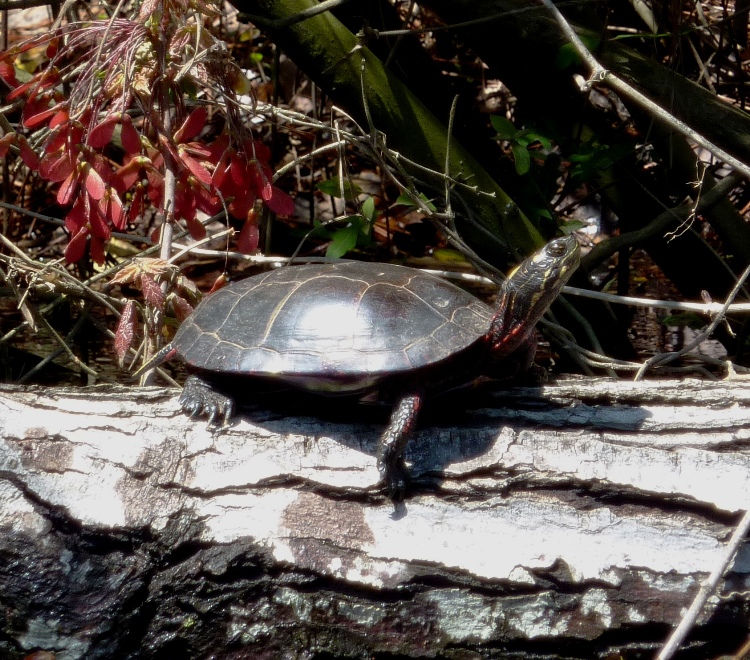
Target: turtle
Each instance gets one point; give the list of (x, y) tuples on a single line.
[(358, 328)]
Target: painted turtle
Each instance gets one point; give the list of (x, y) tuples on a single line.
[(355, 328)]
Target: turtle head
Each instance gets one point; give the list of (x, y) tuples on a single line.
[(529, 291)]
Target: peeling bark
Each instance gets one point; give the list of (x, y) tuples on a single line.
[(573, 520)]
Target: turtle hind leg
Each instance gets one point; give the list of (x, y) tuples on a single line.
[(393, 473), (199, 398)]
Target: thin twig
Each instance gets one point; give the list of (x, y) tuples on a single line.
[(706, 589), (303, 15), (701, 308), (447, 169)]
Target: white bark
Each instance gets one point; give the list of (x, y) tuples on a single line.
[(559, 515)]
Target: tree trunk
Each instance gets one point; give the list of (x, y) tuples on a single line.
[(577, 519)]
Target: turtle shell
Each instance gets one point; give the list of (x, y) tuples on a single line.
[(335, 327)]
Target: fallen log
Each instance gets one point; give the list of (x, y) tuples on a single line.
[(576, 519)]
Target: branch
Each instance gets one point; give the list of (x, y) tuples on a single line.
[(601, 75)]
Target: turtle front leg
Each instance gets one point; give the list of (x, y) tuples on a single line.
[(393, 442), (199, 397)]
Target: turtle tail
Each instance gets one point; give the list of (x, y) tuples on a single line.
[(166, 353)]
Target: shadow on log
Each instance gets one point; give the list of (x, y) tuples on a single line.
[(575, 520)]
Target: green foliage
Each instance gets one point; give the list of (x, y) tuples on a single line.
[(333, 187), (356, 230), (406, 200), (449, 255), (593, 157), (521, 141), (345, 240), (571, 226), (567, 55), (691, 320)]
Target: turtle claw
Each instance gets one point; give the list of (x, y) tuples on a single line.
[(395, 479), (223, 410), (198, 398)]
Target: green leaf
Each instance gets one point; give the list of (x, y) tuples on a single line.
[(342, 241), (522, 158), (332, 187), (570, 226), (369, 211), (685, 319), (533, 136), (504, 127), (568, 56), (449, 255), (543, 213), (406, 200)]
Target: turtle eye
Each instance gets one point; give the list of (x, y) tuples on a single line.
[(556, 248)]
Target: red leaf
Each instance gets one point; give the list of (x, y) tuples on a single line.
[(239, 171), (128, 174), (94, 183), (192, 125), (197, 150), (220, 171), (218, 148), (205, 201), (101, 134), (152, 291), (78, 216), (28, 155), (125, 333), (5, 143), (182, 308), (75, 134), (76, 248), (267, 191), (8, 73), (98, 223), (155, 186), (102, 168), (257, 150), (157, 159), (148, 9), (115, 212), (280, 203), (38, 112), (242, 205), (219, 283), (97, 250), (136, 204), (52, 48), (68, 189), (20, 90), (196, 169), (184, 205), (196, 229), (262, 182), (56, 166), (155, 195), (247, 241), (131, 141), (57, 139), (169, 147), (61, 117)]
